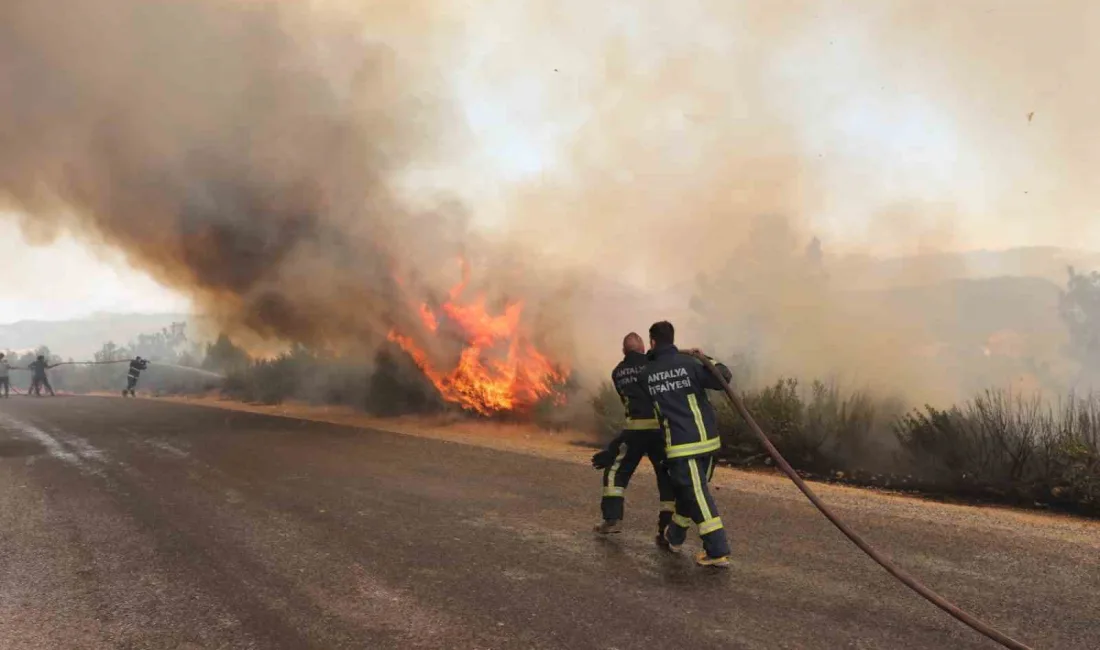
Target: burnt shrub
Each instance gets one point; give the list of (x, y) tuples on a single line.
[(819, 429), (1008, 448)]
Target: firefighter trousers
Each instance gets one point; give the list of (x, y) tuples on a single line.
[(37, 384), (695, 505), (635, 446)]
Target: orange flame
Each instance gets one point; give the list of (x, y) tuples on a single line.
[(498, 369)]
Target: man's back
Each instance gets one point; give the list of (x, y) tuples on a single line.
[(678, 383), (629, 377)]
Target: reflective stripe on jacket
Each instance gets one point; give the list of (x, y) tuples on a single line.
[(678, 385), (627, 377)]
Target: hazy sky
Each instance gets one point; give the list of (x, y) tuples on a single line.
[(976, 122), (65, 280)]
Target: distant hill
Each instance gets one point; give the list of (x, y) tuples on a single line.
[(964, 299), (81, 338), (1048, 263), (965, 312), (957, 299)]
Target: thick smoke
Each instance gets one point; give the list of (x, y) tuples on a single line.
[(264, 156), (709, 142), (244, 152)]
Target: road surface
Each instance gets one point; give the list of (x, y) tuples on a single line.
[(140, 524)]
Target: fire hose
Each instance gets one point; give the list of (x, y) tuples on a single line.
[(67, 363), (88, 363), (908, 580), (165, 365), (100, 363), (200, 371)]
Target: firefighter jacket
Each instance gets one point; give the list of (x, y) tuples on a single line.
[(678, 384), (38, 369), (137, 366), (628, 378)]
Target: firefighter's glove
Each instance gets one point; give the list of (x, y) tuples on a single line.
[(603, 459)]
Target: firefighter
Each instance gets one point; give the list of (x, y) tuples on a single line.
[(39, 380), (5, 375), (137, 364), (640, 437), (678, 384)]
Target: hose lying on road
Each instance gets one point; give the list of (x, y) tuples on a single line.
[(899, 573)]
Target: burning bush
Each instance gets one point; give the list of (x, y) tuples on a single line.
[(495, 366)]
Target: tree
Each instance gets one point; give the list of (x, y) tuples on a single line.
[(224, 356), (163, 345), (744, 311), (814, 255), (111, 352), (1079, 307)]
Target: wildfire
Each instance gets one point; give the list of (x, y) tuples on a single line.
[(498, 370)]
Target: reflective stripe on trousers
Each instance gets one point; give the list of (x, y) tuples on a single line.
[(695, 505)]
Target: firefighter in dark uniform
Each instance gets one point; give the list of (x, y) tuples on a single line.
[(136, 366), (5, 375), (640, 437), (678, 384), (39, 380)]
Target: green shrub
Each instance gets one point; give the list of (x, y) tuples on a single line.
[(610, 416), (820, 431)]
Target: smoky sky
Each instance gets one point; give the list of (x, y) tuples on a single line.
[(886, 128)]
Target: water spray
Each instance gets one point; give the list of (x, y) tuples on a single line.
[(200, 371), (205, 373)]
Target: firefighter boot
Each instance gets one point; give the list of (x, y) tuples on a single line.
[(609, 527), (663, 520), (702, 559), (666, 544)]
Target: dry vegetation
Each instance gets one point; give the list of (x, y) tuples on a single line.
[(997, 447)]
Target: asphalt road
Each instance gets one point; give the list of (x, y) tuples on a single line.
[(138, 524)]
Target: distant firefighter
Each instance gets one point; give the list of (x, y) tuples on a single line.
[(5, 375), (136, 366), (39, 380)]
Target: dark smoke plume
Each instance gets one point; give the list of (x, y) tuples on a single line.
[(243, 152)]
